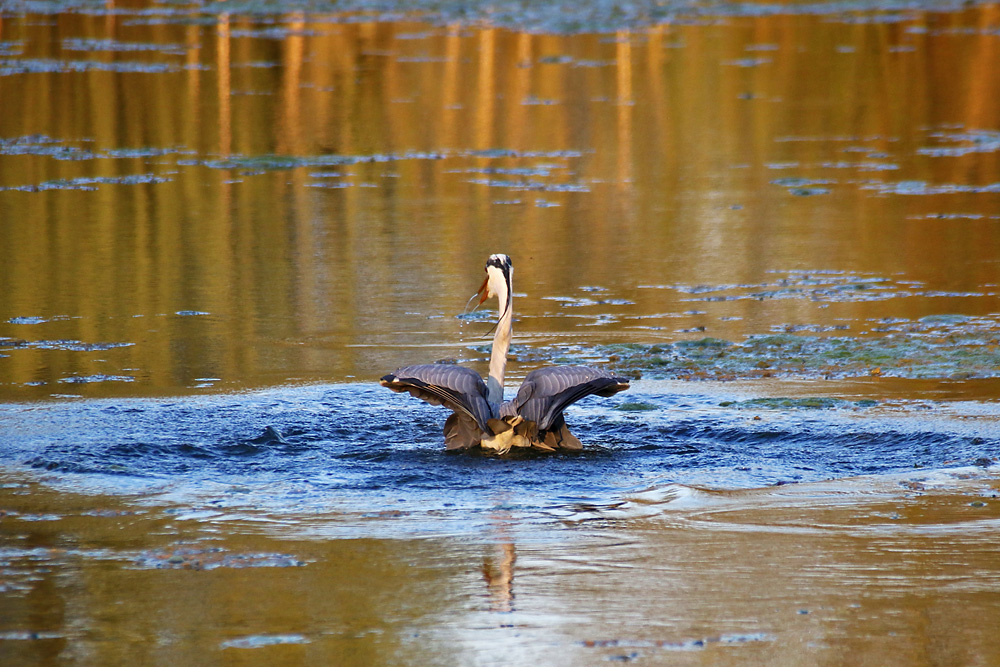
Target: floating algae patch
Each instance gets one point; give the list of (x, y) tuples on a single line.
[(259, 641), (963, 143), (10, 67), (59, 149), (89, 183), (820, 286), (924, 188), (558, 16), (924, 350), (807, 403), (272, 162), (113, 45), (636, 406), (211, 558)]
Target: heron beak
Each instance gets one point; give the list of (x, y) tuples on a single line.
[(482, 294)]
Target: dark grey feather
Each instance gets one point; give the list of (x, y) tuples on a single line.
[(546, 392), (456, 387)]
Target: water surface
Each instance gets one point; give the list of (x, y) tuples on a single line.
[(223, 222)]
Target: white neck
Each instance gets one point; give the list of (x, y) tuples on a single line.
[(501, 344)]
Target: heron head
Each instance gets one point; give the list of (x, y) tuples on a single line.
[(497, 282), (499, 269)]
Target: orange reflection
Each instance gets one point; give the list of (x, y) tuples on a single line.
[(648, 158)]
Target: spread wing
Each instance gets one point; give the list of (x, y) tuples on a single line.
[(546, 392), (455, 387)]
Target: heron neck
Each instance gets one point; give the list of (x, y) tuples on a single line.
[(498, 357)]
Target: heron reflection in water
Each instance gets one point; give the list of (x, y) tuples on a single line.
[(533, 419)]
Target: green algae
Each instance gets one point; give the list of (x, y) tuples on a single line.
[(806, 403), (558, 16), (940, 347), (89, 183), (636, 406)]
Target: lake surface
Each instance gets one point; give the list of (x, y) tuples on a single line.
[(222, 223)]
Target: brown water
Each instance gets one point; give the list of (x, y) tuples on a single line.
[(800, 203)]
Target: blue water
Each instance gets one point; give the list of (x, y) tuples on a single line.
[(359, 452)]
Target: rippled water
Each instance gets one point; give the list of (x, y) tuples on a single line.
[(223, 222)]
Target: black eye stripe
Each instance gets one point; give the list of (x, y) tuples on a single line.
[(501, 262)]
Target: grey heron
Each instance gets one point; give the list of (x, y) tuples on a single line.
[(534, 417)]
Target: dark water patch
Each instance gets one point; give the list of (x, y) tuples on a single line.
[(42, 145), (354, 449), (97, 377), (808, 192), (635, 406), (972, 141), (113, 45), (60, 149), (563, 16), (512, 153), (89, 183), (803, 187), (526, 185), (210, 558), (952, 216), (914, 350), (259, 641), (644, 648), (807, 403), (141, 152), (860, 166), (11, 67), (275, 32), (65, 345), (923, 188), (254, 164), (821, 286), (749, 62)]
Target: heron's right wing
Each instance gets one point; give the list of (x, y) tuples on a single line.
[(456, 387), (546, 392)]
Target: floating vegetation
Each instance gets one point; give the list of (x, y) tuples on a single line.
[(10, 48), (973, 141), (934, 349), (924, 188), (39, 144), (10, 67), (113, 45), (636, 406), (258, 641), (65, 345), (824, 286), (45, 146), (89, 183), (861, 166), (99, 377), (559, 16), (807, 403), (802, 187), (749, 62), (211, 558), (271, 162)]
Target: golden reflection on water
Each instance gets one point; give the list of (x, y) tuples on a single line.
[(866, 572), (632, 161), (659, 148)]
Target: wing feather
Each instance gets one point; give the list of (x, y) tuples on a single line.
[(456, 387), (546, 392)]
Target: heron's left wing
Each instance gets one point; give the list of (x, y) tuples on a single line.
[(546, 392), (455, 387)]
